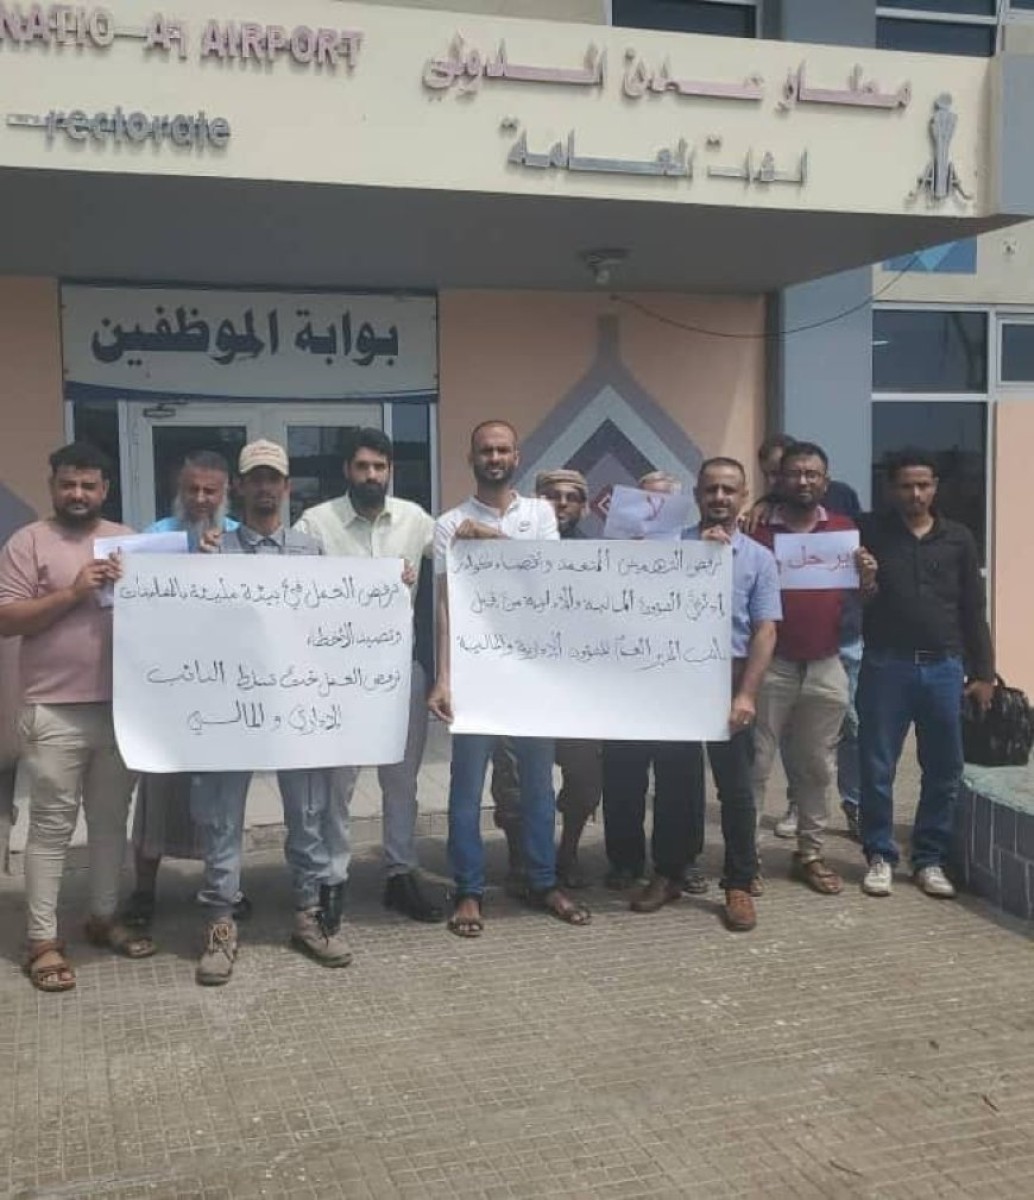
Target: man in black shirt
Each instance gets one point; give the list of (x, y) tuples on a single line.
[(926, 634)]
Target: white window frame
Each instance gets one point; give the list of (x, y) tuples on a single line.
[(1018, 14), (756, 5)]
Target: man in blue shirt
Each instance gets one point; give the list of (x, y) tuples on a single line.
[(721, 493), (162, 826), (202, 498)]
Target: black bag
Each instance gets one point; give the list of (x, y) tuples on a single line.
[(1003, 736)]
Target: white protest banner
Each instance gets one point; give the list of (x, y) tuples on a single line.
[(260, 662), (817, 561), (135, 543), (573, 639), (658, 516)]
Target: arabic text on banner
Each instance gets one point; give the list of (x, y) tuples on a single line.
[(233, 662), (817, 561), (627, 640)]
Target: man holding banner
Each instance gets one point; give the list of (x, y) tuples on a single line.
[(495, 511), (318, 868), (49, 586), (721, 492)]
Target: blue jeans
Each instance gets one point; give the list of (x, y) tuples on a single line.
[(470, 755), (894, 692), (849, 782), (217, 801)]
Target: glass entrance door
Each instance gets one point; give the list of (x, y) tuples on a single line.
[(160, 435)]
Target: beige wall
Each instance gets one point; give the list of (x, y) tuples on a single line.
[(1014, 567), (1005, 275), (31, 411), (379, 125), (517, 354)]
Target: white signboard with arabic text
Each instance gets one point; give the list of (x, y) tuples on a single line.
[(259, 663), (286, 346), (628, 640)]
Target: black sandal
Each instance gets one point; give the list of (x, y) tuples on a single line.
[(466, 927), (554, 901)]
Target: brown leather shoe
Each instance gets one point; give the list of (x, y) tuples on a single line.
[(739, 912), (658, 892)]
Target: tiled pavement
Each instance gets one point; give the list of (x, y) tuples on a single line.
[(849, 1047)]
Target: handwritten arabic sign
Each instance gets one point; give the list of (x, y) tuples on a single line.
[(591, 639), (260, 663), (255, 344), (817, 561)]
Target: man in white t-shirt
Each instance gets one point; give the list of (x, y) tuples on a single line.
[(495, 511)]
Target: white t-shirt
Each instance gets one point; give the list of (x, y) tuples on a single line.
[(526, 519)]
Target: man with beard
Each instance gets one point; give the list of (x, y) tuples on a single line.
[(161, 819), (201, 505), (578, 758), (804, 697), (218, 798), (49, 581), (368, 523), (495, 511), (720, 493)]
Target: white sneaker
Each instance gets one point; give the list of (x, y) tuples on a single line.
[(934, 882), (879, 878), (786, 826)]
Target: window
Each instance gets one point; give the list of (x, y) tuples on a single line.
[(929, 350), (726, 18), (955, 434), (96, 422), (1016, 357), (968, 27)]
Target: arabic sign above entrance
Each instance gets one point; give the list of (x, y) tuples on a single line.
[(304, 345), (520, 107)]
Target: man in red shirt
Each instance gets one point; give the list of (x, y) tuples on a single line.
[(804, 696)]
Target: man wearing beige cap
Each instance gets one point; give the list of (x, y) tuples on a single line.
[(217, 802), (579, 759)]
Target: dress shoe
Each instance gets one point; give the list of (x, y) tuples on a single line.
[(402, 893), (740, 915), (658, 892)]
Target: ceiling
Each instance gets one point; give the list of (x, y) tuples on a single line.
[(195, 230)]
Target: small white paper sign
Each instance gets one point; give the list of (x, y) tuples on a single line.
[(654, 516), (136, 543), (817, 561)]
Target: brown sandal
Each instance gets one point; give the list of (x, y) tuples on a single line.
[(47, 968), (114, 935), (553, 901), (818, 876)]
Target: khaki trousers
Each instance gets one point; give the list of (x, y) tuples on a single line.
[(68, 752), (801, 707)]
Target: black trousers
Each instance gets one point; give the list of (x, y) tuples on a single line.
[(678, 805), (679, 810)]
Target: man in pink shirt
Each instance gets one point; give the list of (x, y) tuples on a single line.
[(49, 585)]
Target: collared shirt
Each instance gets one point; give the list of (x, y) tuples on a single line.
[(525, 518), (812, 619), (175, 525), (402, 530), (930, 593), (244, 540), (755, 587)]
